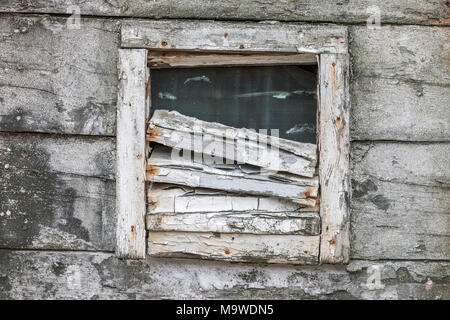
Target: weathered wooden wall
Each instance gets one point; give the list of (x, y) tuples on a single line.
[(58, 95)]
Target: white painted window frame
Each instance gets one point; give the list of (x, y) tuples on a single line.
[(328, 42)]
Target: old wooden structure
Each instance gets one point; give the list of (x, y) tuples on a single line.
[(69, 84)]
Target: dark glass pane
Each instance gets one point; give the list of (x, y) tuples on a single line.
[(282, 97)]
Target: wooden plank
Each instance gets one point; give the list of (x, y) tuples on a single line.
[(131, 147), (400, 221), (410, 53), (159, 60), (99, 275), (57, 192), (431, 12), (400, 92), (161, 168), (233, 36), (400, 207), (45, 87), (306, 223), (175, 130), (423, 164), (293, 249), (164, 198), (399, 110), (334, 166)]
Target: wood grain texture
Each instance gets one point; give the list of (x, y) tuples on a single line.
[(131, 154), (305, 223), (293, 249), (400, 207), (401, 91), (48, 86), (57, 192), (233, 36), (175, 130), (401, 53), (161, 60), (389, 109), (334, 167), (71, 275), (431, 12)]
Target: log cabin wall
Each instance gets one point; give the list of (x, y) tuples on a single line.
[(58, 97)]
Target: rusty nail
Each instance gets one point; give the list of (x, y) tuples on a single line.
[(164, 43), (241, 46), (226, 35), (151, 134), (227, 251), (24, 154), (151, 171)]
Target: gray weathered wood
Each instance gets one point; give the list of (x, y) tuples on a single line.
[(84, 275), (175, 130), (293, 249), (400, 207), (47, 86), (160, 60), (334, 167), (408, 53), (233, 36), (431, 12), (400, 92), (57, 192), (305, 223), (389, 109), (161, 168), (167, 198), (131, 153)]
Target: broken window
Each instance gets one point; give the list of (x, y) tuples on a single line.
[(257, 97), (232, 172)]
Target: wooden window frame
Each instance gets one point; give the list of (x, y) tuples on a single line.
[(327, 43)]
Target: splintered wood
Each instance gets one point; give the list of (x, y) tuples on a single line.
[(218, 192)]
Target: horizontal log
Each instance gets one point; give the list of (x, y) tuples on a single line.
[(423, 164), (400, 221), (175, 130), (161, 168), (231, 222), (161, 60), (293, 249), (233, 36), (45, 87), (57, 192), (399, 110), (399, 207), (431, 12), (169, 198), (97, 275), (409, 53)]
